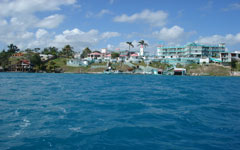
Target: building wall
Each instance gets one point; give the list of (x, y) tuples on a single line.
[(191, 50)]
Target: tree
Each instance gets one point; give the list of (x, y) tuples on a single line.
[(36, 50), (233, 64), (53, 51), (85, 52), (35, 59), (68, 51), (28, 50), (130, 45), (115, 55), (4, 56), (13, 49), (142, 43), (46, 51), (51, 66)]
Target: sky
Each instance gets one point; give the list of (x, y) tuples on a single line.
[(111, 23)]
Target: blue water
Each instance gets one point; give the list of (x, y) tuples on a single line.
[(118, 112)]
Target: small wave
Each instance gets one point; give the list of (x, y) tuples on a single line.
[(63, 109), (76, 129), (15, 134), (26, 123), (16, 112)]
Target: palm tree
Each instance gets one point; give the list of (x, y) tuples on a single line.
[(13, 49), (68, 51), (143, 44), (130, 45)]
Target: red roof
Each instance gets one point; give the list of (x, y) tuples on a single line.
[(26, 62), (134, 55), (18, 54), (95, 53)]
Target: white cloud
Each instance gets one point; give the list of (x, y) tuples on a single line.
[(103, 12), (173, 35), (107, 35), (110, 47), (81, 39), (100, 14), (157, 18), (17, 19), (20, 38), (51, 21), (27, 35), (76, 38), (169, 34), (14, 7), (41, 33), (229, 39), (124, 46)]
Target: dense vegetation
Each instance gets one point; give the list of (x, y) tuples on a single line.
[(57, 63), (8, 59)]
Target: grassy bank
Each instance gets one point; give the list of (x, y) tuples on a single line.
[(210, 69), (192, 69)]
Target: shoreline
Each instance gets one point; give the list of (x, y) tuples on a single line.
[(235, 74)]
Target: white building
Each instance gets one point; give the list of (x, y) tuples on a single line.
[(45, 57), (228, 56), (192, 50), (77, 55), (103, 50)]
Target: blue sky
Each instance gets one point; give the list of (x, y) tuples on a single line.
[(110, 23)]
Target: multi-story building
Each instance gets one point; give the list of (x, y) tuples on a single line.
[(229, 56), (189, 53), (191, 50)]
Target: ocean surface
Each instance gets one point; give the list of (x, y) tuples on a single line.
[(118, 112)]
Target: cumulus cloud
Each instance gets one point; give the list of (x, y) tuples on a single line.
[(41, 33), (157, 18), (100, 14), (42, 38), (14, 7), (17, 19), (124, 46), (110, 47), (77, 38), (173, 35), (81, 39), (107, 35), (19, 38), (229, 39), (51, 21), (169, 34)]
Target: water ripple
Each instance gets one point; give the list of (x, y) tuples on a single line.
[(75, 111)]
